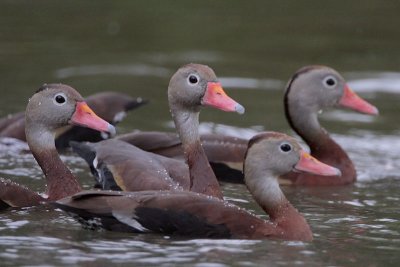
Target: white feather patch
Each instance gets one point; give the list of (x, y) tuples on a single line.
[(95, 162), (119, 116), (130, 221)]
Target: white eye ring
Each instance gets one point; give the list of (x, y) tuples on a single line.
[(60, 99), (193, 79), (329, 82), (285, 147)]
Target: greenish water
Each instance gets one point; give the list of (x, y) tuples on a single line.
[(254, 47)]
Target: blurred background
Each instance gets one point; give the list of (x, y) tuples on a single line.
[(254, 47), (135, 46)]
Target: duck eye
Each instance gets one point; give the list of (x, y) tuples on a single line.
[(193, 79), (329, 82), (60, 99), (285, 147)]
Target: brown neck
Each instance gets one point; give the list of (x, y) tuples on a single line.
[(264, 187), (305, 123), (202, 177), (287, 218), (267, 193), (60, 181), (324, 146), (328, 151)]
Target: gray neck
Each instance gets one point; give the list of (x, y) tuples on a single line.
[(202, 177), (60, 181), (187, 125), (304, 121), (264, 187)]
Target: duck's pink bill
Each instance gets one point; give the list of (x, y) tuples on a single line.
[(308, 163), (85, 116), (216, 97), (353, 101)]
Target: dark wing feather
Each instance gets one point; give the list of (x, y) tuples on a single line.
[(173, 213), (15, 195)]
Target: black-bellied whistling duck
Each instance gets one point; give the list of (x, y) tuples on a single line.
[(111, 106), (311, 89), (185, 213), (119, 165), (51, 108)]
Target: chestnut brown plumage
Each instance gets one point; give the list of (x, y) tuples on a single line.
[(190, 214)]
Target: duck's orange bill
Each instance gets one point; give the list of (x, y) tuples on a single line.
[(308, 163), (216, 97), (85, 116), (353, 101)]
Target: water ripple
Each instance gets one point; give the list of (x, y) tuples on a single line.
[(372, 82)]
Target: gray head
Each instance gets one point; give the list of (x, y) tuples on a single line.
[(196, 85), (54, 106), (275, 154), (316, 87), (319, 87)]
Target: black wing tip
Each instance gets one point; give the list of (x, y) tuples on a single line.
[(136, 103)]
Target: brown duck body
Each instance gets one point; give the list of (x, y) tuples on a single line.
[(15, 195), (197, 215), (52, 107), (179, 213), (224, 153), (13, 125), (112, 161)]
